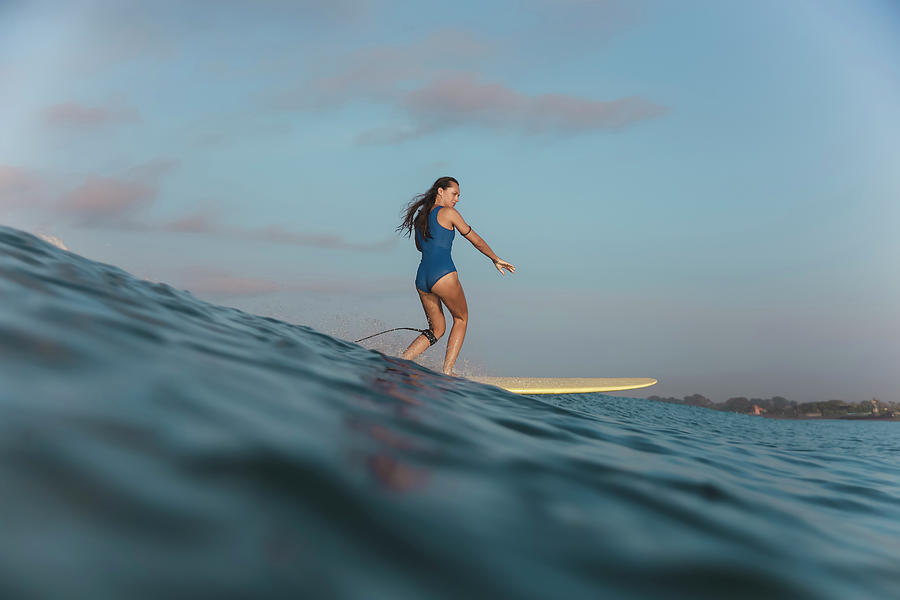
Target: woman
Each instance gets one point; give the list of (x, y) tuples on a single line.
[(437, 280)]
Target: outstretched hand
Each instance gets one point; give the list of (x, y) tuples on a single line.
[(502, 264)]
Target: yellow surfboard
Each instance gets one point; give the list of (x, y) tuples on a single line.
[(565, 385)]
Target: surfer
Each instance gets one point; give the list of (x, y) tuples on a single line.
[(435, 219)]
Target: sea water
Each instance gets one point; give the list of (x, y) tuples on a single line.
[(153, 445)]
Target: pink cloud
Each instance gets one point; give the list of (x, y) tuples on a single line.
[(121, 203), (73, 115), (198, 222), (423, 83), (104, 200), (569, 113), (116, 202), (465, 100)]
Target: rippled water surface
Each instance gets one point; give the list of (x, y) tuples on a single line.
[(154, 445)]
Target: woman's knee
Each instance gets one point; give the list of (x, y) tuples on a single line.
[(438, 329)]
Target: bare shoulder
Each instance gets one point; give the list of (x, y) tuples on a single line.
[(456, 219)]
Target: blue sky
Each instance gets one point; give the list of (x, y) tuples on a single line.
[(702, 192)]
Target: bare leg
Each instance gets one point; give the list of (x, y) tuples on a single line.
[(418, 346), (454, 344), (435, 316), (450, 291)]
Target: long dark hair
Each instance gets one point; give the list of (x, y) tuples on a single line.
[(423, 203)]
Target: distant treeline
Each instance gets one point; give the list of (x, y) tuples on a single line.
[(778, 406)]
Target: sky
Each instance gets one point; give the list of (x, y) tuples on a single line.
[(704, 192)]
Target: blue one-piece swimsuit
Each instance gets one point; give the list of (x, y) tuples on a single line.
[(436, 261)]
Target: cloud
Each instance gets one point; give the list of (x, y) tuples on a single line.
[(103, 200), (123, 202), (199, 222), (116, 202), (71, 115), (107, 203), (464, 100), (427, 84)]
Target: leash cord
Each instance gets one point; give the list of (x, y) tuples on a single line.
[(394, 329)]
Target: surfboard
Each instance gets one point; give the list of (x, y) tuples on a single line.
[(565, 385)]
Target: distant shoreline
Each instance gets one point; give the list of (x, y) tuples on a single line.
[(821, 418), (779, 407)]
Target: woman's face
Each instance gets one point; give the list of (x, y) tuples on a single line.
[(449, 195)]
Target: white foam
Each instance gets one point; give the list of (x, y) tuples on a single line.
[(52, 239)]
